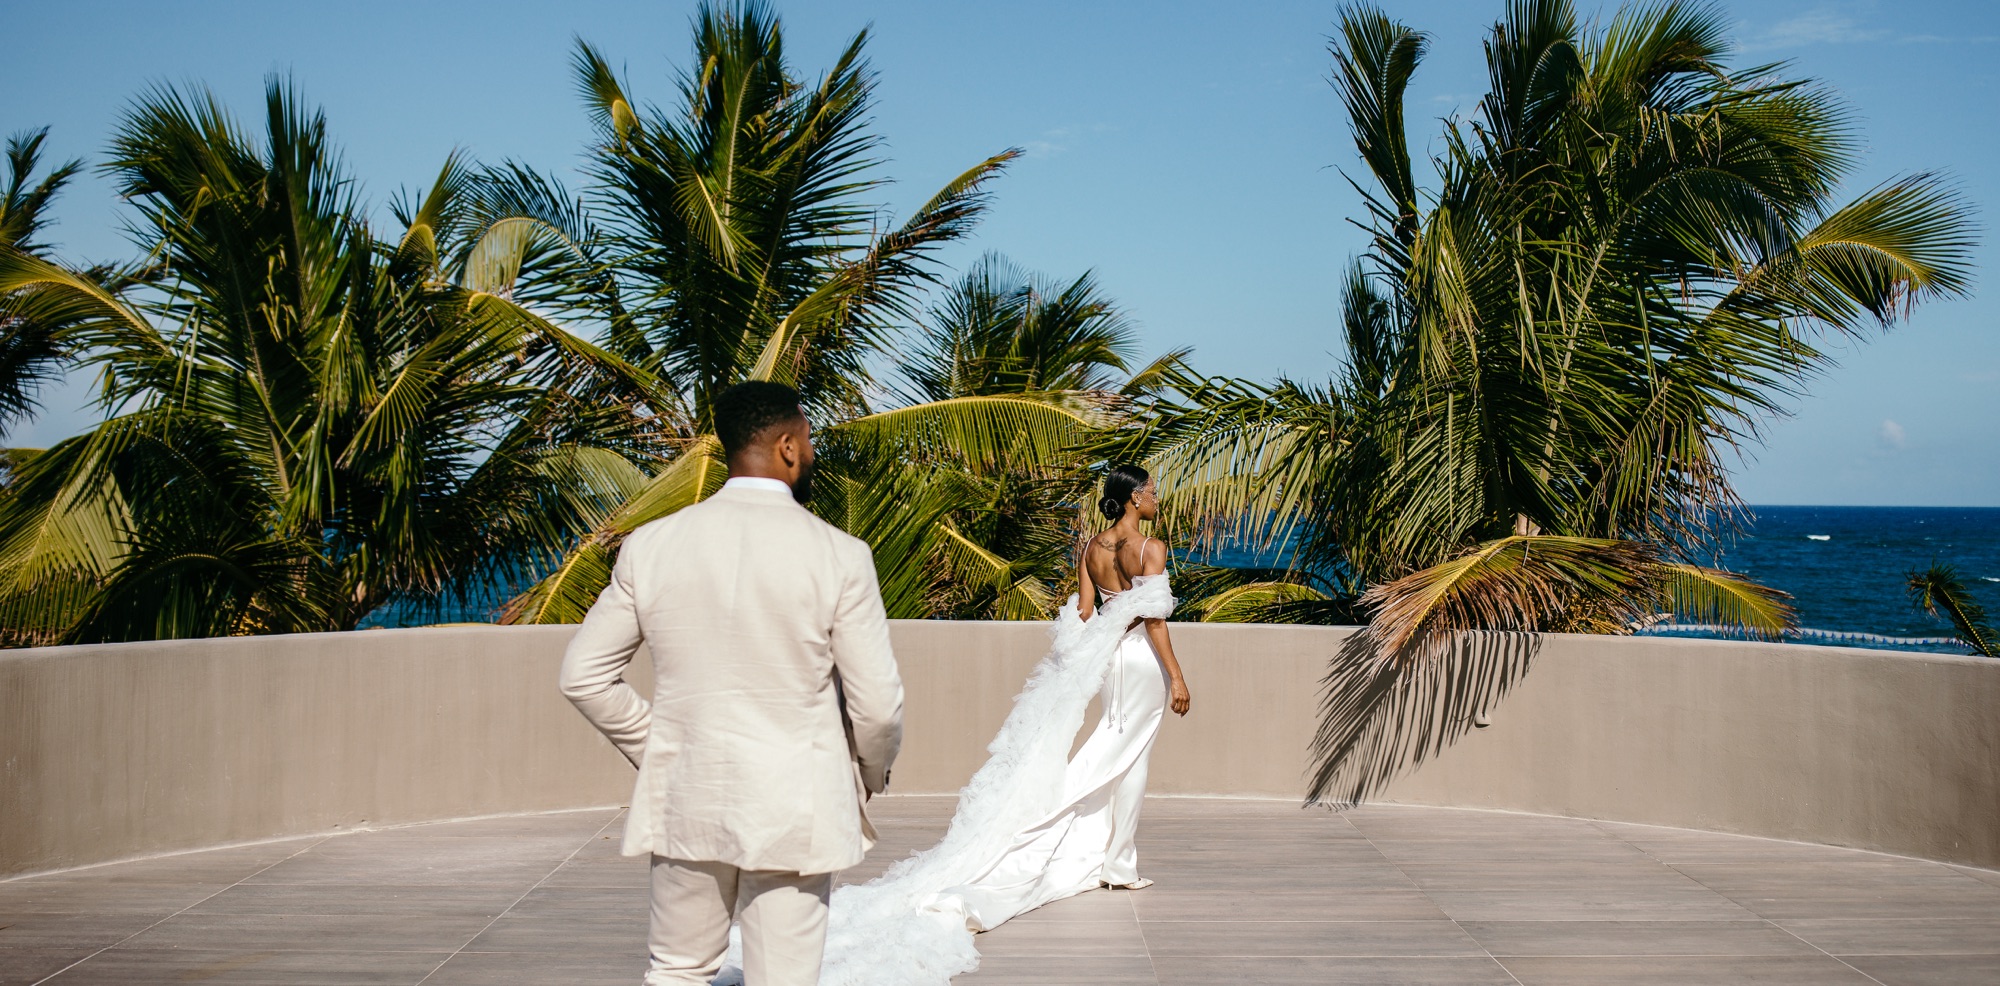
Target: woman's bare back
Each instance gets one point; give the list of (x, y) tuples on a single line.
[(1113, 560)]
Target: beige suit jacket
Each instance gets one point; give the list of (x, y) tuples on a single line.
[(750, 607)]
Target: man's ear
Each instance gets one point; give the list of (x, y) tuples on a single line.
[(787, 447)]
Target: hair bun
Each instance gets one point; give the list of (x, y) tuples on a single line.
[(1110, 508)]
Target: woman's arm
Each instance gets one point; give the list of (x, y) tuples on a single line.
[(1154, 562), (1086, 592)]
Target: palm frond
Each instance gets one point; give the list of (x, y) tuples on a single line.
[(1021, 596), (1253, 602), (1513, 583), (1940, 591), (566, 594), (1713, 596), (976, 431)]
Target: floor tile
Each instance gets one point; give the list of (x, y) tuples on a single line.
[(1069, 938), (570, 918), (1507, 851), (572, 967), (32, 929), (1247, 892), (1505, 938), (430, 870), (1042, 970), (1863, 936), (1929, 970), (57, 895), (578, 825), (1682, 970), (294, 898), (1843, 878), (1545, 874), (1329, 971), (224, 866), (621, 872), (244, 967), (1418, 824), (1208, 939), (1991, 877), (1888, 903), (1695, 904), (19, 966), (313, 932), (1095, 905), (1164, 903)]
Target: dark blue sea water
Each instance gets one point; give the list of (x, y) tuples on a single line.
[(1845, 566)]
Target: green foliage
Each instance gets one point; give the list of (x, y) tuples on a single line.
[(32, 350), (1941, 592), (306, 421), (732, 238), (1633, 256), (1000, 330)]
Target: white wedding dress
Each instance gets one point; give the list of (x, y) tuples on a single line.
[(1034, 825)]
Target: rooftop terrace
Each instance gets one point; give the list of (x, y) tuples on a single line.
[(1549, 809), (1248, 892)]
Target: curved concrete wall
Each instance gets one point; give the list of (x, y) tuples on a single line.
[(116, 751)]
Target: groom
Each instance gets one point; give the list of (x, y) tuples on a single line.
[(776, 710)]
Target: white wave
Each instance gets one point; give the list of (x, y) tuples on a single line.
[(1819, 537), (1800, 633)]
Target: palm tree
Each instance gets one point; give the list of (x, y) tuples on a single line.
[(1000, 331), (1632, 257), (732, 238), (1940, 592), (31, 352), (306, 422)]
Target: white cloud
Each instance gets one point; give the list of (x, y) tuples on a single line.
[(1056, 140), (1834, 24), (1819, 27), (1892, 434)]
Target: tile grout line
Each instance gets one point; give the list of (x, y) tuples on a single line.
[(1483, 950), (1816, 948), (1764, 920), (587, 841), (1143, 943), (181, 911)]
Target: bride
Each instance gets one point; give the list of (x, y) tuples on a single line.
[(1034, 825)]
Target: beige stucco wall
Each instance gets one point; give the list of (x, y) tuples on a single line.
[(127, 750)]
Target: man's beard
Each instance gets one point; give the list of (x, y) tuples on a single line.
[(802, 488)]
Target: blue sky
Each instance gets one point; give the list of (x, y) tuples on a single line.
[(1188, 153)]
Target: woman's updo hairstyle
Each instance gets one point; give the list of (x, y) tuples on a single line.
[(1119, 485)]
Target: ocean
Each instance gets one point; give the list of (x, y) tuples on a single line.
[(1844, 566)]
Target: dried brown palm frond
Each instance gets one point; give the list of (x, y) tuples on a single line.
[(1523, 582)]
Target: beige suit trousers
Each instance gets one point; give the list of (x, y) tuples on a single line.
[(783, 921)]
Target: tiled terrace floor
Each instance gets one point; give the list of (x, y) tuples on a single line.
[(1249, 892)]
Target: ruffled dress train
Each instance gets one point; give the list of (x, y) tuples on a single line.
[(1034, 824)]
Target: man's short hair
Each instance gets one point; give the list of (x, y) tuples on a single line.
[(747, 409)]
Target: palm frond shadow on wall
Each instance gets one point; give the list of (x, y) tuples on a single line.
[(1381, 719)]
